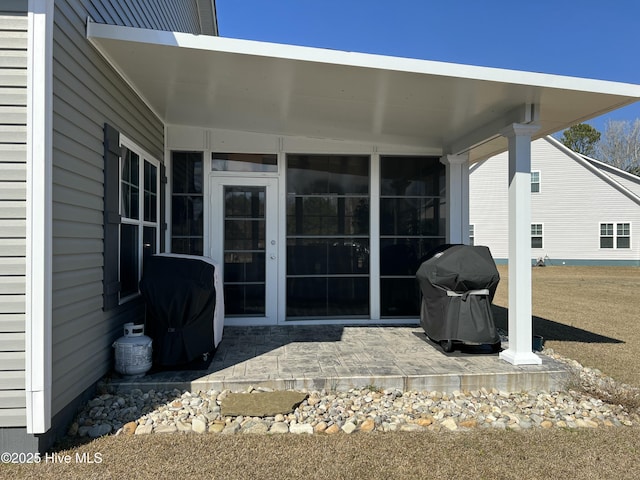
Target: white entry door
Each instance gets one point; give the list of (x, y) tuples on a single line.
[(244, 241)]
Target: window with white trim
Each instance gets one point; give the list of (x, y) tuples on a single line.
[(472, 234), (623, 235), (536, 235), (535, 181), (615, 235), (139, 211)]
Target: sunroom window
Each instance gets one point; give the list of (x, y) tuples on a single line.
[(187, 203), (412, 223), (327, 235)]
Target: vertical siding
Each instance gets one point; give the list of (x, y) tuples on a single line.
[(13, 120), (88, 94), (572, 202)]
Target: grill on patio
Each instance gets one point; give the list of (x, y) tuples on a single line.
[(458, 285)]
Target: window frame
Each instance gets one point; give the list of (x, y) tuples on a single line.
[(627, 235), (615, 236), (140, 222), (438, 196), (536, 235), (472, 236), (538, 183), (192, 196)]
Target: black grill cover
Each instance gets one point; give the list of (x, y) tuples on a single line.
[(180, 301), (464, 314)]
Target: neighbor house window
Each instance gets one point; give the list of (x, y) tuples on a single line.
[(615, 235), (536, 235), (535, 182), (623, 235), (187, 219), (472, 234), (606, 235), (139, 212)]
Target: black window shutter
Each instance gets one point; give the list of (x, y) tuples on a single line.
[(111, 285), (163, 209)]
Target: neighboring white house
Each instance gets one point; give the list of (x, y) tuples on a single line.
[(316, 178), (583, 211)]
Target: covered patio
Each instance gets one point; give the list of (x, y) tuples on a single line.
[(201, 85), (337, 358)]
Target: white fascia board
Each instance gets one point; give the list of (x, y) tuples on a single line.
[(96, 31), (39, 219)]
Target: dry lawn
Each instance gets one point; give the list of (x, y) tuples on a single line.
[(586, 454), (589, 314)]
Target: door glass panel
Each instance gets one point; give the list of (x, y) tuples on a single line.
[(244, 250)]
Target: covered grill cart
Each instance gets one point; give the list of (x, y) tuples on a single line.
[(458, 285), (184, 308)]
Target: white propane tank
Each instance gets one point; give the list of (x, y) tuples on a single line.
[(133, 351)]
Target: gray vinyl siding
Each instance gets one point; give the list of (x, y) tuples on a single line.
[(13, 187), (87, 94), (168, 15)]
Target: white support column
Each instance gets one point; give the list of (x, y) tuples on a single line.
[(457, 197), (38, 324), (520, 350)]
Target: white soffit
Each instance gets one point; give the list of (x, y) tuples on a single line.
[(232, 84)]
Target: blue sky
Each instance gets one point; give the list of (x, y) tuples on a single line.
[(585, 38)]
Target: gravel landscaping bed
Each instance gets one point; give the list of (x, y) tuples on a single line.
[(592, 400)]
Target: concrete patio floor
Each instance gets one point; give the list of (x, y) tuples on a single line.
[(337, 357)]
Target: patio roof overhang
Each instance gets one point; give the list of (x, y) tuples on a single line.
[(215, 82)]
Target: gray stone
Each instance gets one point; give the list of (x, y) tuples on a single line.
[(100, 430), (255, 427), (231, 428)]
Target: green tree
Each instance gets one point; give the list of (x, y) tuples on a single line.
[(581, 138)]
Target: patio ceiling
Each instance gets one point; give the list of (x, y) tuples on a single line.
[(232, 84)]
